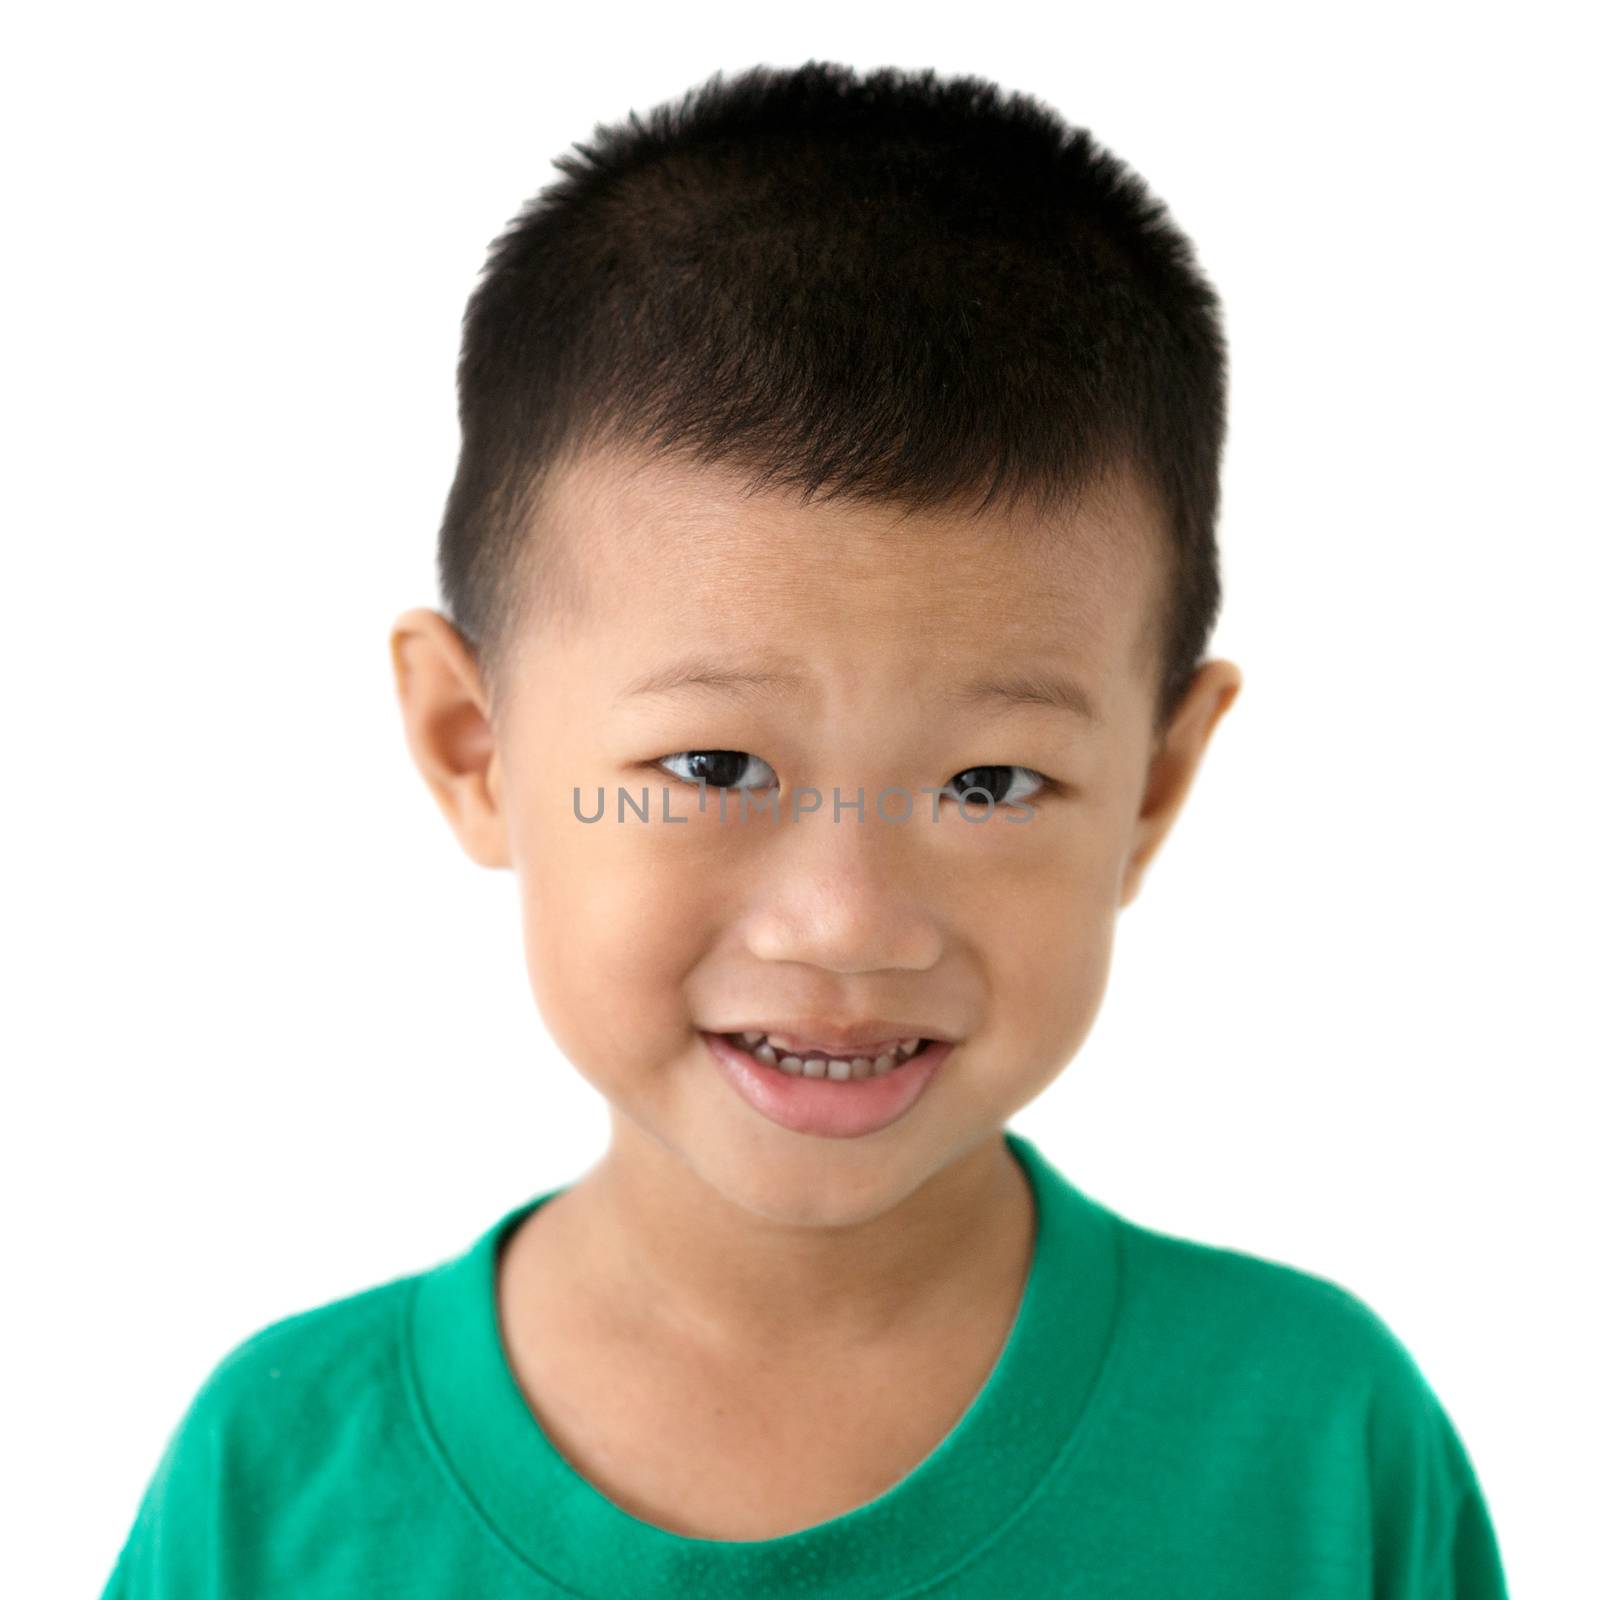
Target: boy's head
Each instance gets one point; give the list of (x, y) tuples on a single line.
[(849, 435)]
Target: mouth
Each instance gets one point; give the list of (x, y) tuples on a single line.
[(788, 1055), (816, 1093)]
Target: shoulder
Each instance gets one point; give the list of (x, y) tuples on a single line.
[(315, 1368), (269, 1416), (1241, 1342), (311, 1362), (1304, 1367), (1248, 1313), (1306, 1408), (331, 1379)]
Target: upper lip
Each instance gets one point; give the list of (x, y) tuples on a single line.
[(841, 1039)]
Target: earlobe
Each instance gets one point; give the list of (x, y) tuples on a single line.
[(448, 731)]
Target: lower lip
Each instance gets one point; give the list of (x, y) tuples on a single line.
[(835, 1108)]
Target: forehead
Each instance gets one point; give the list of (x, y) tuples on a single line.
[(669, 554)]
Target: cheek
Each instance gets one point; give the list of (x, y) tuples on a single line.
[(1065, 995), (614, 919), (1047, 944)]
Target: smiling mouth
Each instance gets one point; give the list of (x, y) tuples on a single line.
[(819, 1064)]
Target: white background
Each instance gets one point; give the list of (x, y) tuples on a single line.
[(267, 1034)]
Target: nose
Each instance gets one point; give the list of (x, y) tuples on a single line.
[(852, 895)]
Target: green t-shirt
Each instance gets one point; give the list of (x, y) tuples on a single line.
[(1166, 1419)]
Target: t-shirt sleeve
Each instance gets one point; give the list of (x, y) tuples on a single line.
[(1432, 1534), (170, 1552), (276, 1427), (1471, 1569)]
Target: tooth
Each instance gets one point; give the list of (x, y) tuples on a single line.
[(838, 1071), (908, 1045), (751, 1040)]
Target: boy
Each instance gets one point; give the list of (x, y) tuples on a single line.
[(831, 562)]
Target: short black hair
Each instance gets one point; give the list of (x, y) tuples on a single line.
[(891, 287)]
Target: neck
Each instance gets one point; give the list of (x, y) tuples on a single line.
[(678, 1259)]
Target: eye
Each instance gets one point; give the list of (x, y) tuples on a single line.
[(996, 783), (719, 769)]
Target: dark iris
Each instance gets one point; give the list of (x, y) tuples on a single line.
[(994, 781), (721, 769)]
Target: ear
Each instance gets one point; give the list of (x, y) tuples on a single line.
[(448, 730), (1176, 759)]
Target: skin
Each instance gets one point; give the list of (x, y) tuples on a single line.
[(710, 1251)]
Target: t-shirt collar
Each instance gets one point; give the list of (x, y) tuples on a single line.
[(957, 1499)]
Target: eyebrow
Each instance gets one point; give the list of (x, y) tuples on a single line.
[(703, 674), (1041, 689)]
